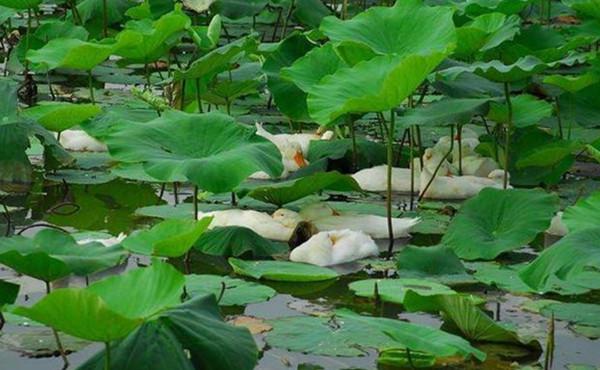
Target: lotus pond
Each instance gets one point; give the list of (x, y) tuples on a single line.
[(299, 184)]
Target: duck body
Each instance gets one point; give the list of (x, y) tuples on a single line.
[(375, 179), (80, 141), (557, 226), (327, 219), (459, 187), (476, 165), (107, 242), (335, 247), (261, 223)]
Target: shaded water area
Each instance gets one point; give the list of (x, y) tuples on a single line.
[(110, 207)]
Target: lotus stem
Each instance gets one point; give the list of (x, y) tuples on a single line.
[(350, 122), (390, 158), (147, 75), (175, 193), (233, 199), (508, 131), (76, 16), (345, 9), (106, 356), (287, 19), (279, 14), (419, 144), (196, 202), (460, 168), (105, 18), (91, 86), (411, 159), (222, 292), (27, 41), (549, 355), (59, 344), (558, 118), (198, 96), (437, 169), (2, 321)]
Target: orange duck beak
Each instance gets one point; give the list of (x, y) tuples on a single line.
[(299, 159)]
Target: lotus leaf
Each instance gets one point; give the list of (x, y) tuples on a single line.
[(235, 241), (281, 270), (236, 292), (584, 214), (394, 290), (61, 116)]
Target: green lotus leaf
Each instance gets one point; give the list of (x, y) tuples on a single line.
[(401, 358), (309, 69), (572, 84), (505, 277), (218, 60), (497, 221), (80, 313), (590, 8), (478, 7), (470, 320), (58, 117), (310, 12), (20, 4), (495, 70), (235, 241), (281, 270), (583, 215), (8, 100), (582, 106), (8, 293), (394, 290), (486, 32), (526, 111), (80, 177), (375, 85), (288, 97), (6, 14), (368, 153), (292, 190), (170, 238), (467, 85), (585, 314), (349, 334), (91, 13), (211, 150), (236, 292), (437, 263), (573, 260), (52, 254), (407, 28), (145, 41), (71, 53), (236, 9), (446, 112), (548, 154)]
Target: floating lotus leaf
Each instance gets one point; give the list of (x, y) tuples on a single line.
[(236, 292), (281, 270), (497, 221), (469, 319), (349, 334), (437, 263), (211, 150), (394, 290), (8, 293)]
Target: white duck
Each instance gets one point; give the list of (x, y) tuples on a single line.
[(325, 218), (292, 159), (335, 247), (375, 178), (267, 226), (455, 187), (303, 140), (476, 165), (557, 226), (469, 141), (80, 141)]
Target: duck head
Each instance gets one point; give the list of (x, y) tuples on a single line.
[(287, 218)]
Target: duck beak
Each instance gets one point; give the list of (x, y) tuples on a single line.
[(299, 159)]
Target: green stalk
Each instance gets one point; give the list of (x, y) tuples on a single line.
[(28, 39), (460, 169), (390, 159), (107, 356), (61, 348), (558, 118), (508, 131), (411, 160), (437, 169), (198, 96), (91, 86), (105, 18), (147, 75), (350, 122)]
